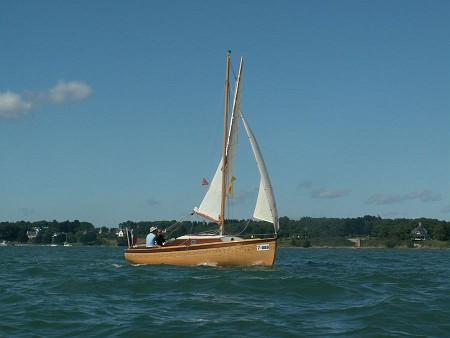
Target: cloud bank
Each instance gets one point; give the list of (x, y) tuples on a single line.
[(14, 105), (380, 199), (322, 193), (422, 195), (330, 193)]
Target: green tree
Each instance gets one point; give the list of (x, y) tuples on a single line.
[(22, 235), (88, 238)]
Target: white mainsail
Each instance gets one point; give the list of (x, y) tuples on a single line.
[(265, 205)]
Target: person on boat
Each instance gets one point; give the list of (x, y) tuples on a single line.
[(150, 241), (130, 237), (160, 238)]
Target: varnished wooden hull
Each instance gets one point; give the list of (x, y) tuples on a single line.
[(242, 253)]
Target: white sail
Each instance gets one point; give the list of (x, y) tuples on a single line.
[(266, 208), (210, 206)]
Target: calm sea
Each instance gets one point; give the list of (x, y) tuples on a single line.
[(94, 292)]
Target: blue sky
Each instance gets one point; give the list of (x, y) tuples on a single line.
[(111, 110)]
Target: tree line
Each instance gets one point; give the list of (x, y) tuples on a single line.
[(303, 231), (54, 232), (373, 226)]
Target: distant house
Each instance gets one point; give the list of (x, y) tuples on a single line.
[(420, 233), (33, 233), (119, 233)]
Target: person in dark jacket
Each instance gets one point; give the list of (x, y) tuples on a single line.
[(160, 238)]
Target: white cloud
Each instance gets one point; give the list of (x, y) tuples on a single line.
[(74, 90), (379, 199), (12, 105), (330, 193), (424, 195), (305, 184)]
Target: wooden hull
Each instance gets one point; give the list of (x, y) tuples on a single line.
[(242, 253)]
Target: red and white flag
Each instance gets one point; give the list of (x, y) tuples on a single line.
[(204, 181)]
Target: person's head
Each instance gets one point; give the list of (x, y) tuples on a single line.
[(153, 229)]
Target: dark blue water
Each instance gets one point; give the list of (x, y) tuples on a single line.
[(93, 291)]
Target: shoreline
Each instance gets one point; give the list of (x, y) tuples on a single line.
[(364, 247), (9, 244)]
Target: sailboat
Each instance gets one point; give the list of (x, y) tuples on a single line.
[(221, 249)]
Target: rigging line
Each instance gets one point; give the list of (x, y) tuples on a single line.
[(179, 222), (174, 229), (242, 230)]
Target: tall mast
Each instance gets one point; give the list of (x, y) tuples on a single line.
[(224, 149)]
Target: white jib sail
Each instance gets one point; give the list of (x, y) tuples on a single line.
[(266, 208)]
